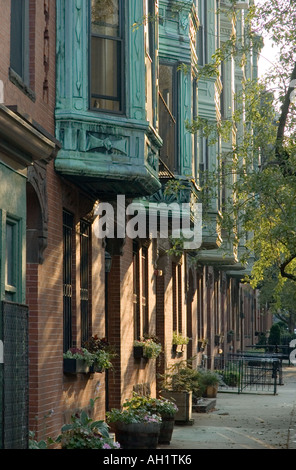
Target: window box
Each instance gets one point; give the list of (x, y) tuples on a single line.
[(96, 368), (76, 366), (178, 348), (138, 352), (148, 347)]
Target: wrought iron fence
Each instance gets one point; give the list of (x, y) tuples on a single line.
[(248, 372)]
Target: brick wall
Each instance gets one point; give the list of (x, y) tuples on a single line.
[(53, 396), (41, 45)]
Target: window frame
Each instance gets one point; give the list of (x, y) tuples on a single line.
[(68, 287), (173, 110), (13, 290), (85, 280), (24, 40), (202, 43), (121, 69)]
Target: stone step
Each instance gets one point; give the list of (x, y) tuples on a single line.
[(204, 405)]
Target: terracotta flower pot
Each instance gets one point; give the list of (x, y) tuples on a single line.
[(211, 391)]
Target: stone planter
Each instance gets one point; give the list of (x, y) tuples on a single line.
[(183, 401), (137, 435), (166, 429)]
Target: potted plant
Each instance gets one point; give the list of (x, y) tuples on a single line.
[(230, 335), (134, 428), (217, 340), (95, 356), (209, 382), (179, 342), (84, 433), (201, 344), (102, 353), (167, 409), (180, 383), (148, 347), (176, 250), (231, 378), (77, 360)]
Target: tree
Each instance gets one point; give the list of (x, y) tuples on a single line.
[(261, 167), (278, 296)]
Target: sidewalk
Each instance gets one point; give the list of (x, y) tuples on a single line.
[(244, 421)]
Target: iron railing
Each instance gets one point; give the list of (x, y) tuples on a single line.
[(249, 372)]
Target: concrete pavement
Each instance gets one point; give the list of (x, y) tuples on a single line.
[(244, 421)]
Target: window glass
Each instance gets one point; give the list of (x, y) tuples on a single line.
[(105, 17), (68, 226), (106, 55), (166, 85), (10, 271), (19, 38), (12, 263), (105, 80), (167, 120)]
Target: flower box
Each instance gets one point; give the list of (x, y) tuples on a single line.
[(178, 348), (96, 368), (183, 401), (148, 348), (138, 352), (76, 366)]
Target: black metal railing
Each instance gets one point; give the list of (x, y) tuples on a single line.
[(250, 372)]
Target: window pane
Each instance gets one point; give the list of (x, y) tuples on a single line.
[(167, 122), (67, 278), (10, 255), (84, 279), (166, 85), (16, 46), (105, 17), (105, 82)]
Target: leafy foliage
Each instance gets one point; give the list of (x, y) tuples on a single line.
[(131, 415), (96, 351), (151, 346), (160, 406), (181, 377), (84, 433), (258, 170)]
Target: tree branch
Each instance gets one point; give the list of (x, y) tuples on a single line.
[(280, 152), (283, 267)]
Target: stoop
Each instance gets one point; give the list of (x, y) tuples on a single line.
[(204, 405)]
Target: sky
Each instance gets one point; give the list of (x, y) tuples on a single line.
[(267, 57), (268, 53)]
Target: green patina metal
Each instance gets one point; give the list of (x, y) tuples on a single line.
[(13, 207), (175, 48), (106, 154)]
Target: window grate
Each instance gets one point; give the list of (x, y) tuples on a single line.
[(15, 376), (67, 277)]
